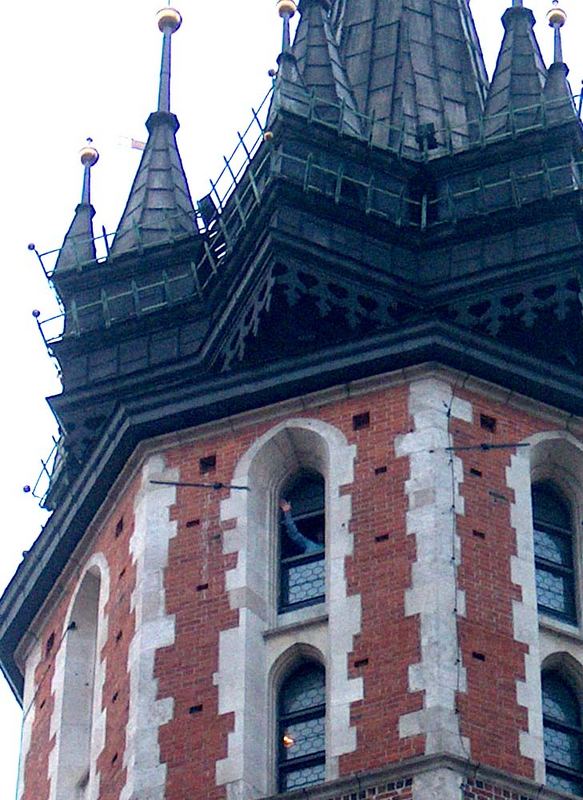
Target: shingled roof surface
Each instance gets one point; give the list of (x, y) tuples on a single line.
[(413, 62), (519, 77), (159, 205)]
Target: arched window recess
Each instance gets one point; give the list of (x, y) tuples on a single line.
[(554, 554), (301, 759), (302, 539), (563, 735)]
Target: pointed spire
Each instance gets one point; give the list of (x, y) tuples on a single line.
[(289, 93), (159, 207), (416, 68), (321, 68), (558, 95), (515, 96), (79, 245)]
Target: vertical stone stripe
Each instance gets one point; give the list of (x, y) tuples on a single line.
[(99, 710), (525, 613), (154, 629), (434, 499), (29, 713), (345, 614)]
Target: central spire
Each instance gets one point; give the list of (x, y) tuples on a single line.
[(159, 208), (416, 68)]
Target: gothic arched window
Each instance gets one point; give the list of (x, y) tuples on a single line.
[(553, 550), (302, 569), (301, 728), (563, 735)]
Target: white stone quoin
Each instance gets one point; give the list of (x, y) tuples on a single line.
[(434, 503), (153, 530)]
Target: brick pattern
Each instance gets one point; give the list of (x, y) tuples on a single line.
[(480, 790), (392, 790), (490, 715), (116, 688), (380, 571)]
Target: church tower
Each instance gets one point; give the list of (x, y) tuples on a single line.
[(317, 497)]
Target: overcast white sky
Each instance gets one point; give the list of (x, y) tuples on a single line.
[(78, 68)]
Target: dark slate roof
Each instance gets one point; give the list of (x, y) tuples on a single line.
[(412, 63), (560, 106), (320, 65), (519, 77), (78, 245), (159, 207)]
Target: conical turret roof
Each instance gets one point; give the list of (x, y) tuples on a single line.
[(515, 96), (78, 245), (159, 207), (320, 65)]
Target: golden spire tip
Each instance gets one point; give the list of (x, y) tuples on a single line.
[(169, 20), (89, 154)]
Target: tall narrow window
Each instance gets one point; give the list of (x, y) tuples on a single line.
[(563, 735), (301, 728), (76, 723), (553, 549), (302, 574)]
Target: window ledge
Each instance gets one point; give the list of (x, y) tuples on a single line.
[(562, 628), (315, 615)]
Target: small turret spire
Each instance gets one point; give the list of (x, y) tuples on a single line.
[(286, 10), (159, 207), (79, 245), (557, 18), (89, 157), (559, 98), (514, 100), (169, 21)]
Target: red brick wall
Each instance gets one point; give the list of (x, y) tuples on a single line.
[(490, 714), (122, 580), (482, 790), (380, 571)]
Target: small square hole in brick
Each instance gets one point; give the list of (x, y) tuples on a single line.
[(488, 423), (208, 464), (195, 709), (192, 523), (360, 421), (380, 471), (479, 534), (476, 472), (119, 528), (202, 587), (478, 656)]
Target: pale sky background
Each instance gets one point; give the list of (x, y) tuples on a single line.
[(75, 69)]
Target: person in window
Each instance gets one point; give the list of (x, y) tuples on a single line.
[(304, 544)]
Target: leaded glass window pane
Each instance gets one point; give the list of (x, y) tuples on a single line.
[(302, 579), (553, 547), (301, 728), (563, 738)]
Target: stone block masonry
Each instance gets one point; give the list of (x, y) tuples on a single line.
[(428, 634)]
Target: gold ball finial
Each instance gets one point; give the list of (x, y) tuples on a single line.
[(88, 154), (169, 19), (286, 8), (556, 16)]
